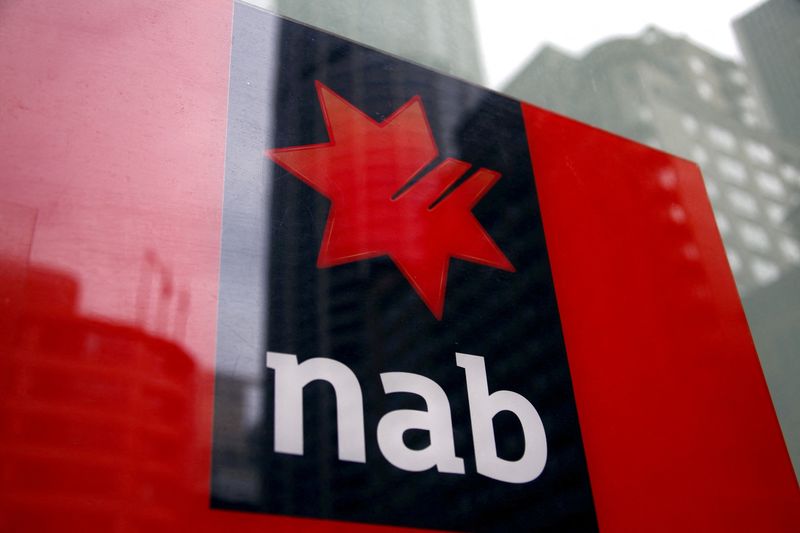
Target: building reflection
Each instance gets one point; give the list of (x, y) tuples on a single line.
[(97, 418), (735, 121), (667, 92)]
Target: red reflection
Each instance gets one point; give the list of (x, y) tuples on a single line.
[(112, 138), (96, 418)]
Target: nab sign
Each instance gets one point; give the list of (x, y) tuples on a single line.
[(391, 350)]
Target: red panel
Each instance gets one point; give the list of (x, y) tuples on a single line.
[(678, 426)]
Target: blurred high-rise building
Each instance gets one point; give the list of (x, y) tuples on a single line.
[(672, 94), (769, 37)]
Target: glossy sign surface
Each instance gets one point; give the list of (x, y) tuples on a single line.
[(113, 157)]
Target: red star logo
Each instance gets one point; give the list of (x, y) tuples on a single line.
[(366, 169)]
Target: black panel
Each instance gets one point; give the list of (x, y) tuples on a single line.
[(366, 314)]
